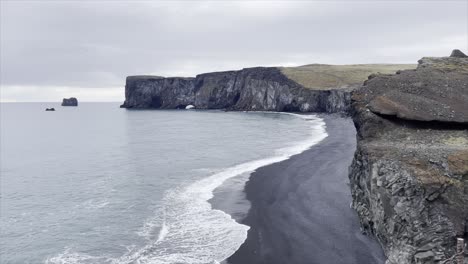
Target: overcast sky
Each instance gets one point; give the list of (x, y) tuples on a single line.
[(55, 49)]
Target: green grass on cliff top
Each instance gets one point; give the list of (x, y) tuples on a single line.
[(322, 76)]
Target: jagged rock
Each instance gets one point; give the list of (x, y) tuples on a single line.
[(261, 89), (436, 91), (409, 176), (72, 101), (458, 54), (424, 256)]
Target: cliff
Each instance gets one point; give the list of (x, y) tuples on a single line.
[(260, 89), (257, 89), (409, 176)]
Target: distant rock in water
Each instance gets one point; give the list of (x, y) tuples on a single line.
[(72, 101), (409, 176), (458, 54), (50, 109)]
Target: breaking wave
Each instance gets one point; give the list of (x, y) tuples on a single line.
[(190, 230)]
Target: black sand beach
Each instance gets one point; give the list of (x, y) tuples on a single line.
[(300, 208)]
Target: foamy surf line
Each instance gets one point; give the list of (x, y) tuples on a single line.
[(317, 134), (191, 231)]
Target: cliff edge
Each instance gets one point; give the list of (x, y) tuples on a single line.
[(409, 176), (309, 88)]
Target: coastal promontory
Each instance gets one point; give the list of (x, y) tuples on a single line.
[(409, 176), (308, 88)]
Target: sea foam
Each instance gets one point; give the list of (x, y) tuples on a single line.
[(190, 230)]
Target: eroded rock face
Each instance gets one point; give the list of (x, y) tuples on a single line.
[(158, 92), (409, 176), (260, 89), (458, 54), (436, 91), (72, 101)]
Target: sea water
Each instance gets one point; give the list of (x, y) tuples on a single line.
[(100, 184)]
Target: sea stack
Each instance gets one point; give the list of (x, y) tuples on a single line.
[(458, 54), (409, 176), (72, 101)]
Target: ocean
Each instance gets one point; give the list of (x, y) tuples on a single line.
[(100, 184)]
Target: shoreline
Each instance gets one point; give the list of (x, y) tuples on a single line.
[(299, 208)]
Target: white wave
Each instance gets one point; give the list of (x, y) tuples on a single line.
[(151, 225), (206, 170), (68, 257), (163, 232), (93, 204), (199, 234), (191, 231)]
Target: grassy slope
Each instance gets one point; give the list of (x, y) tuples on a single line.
[(322, 76)]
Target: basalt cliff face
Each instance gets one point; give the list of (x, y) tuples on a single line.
[(256, 89), (409, 176)]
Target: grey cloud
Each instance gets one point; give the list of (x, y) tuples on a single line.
[(97, 44)]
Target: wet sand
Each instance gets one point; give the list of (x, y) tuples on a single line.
[(300, 208)]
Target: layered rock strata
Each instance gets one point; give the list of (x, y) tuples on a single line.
[(409, 176), (256, 89)]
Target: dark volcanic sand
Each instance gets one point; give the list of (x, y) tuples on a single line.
[(300, 208)]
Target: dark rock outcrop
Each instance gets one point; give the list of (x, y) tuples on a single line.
[(458, 54), (50, 109), (409, 176), (436, 91), (72, 101), (257, 89)]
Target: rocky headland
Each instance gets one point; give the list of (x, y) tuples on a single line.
[(309, 88), (409, 176)]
